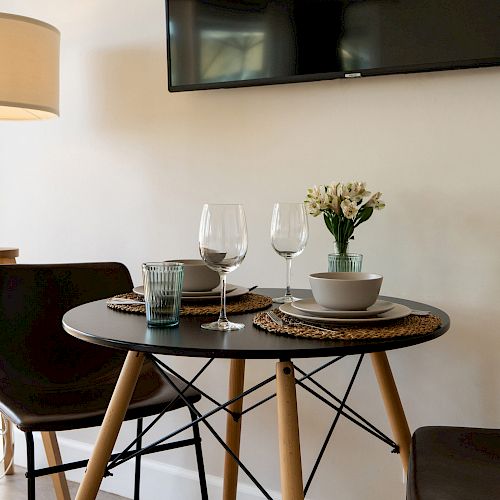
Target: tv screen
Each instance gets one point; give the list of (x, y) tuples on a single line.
[(235, 43)]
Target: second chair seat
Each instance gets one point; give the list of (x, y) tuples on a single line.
[(454, 463)]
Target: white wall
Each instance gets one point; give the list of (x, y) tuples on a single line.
[(123, 174)]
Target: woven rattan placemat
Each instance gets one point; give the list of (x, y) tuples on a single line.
[(249, 302), (404, 327)]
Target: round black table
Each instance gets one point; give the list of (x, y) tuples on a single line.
[(96, 323)]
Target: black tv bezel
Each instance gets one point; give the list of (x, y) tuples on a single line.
[(316, 77)]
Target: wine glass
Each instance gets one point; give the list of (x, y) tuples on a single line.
[(223, 246), (289, 234)]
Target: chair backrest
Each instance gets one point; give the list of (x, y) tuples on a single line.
[(34, 348)]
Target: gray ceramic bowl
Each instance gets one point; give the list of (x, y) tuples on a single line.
[(198, 277), (345, 291)]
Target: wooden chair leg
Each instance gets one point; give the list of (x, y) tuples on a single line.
[(233, 428), (110, 427), (8, 256), (393, 406), (54, 458), (288, 431), (8, 461)]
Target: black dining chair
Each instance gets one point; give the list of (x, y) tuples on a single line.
[(454, 463), (51, 381)]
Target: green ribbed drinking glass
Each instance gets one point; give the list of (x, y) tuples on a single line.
[(162, 292)]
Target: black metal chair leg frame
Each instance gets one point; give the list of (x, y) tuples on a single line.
[(199, 458), (30, 452), (32, 473), (137, 482)]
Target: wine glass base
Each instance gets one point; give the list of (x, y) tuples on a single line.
[(223, 326), (286, 299)]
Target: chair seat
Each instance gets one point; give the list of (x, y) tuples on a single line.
[(49, 406), (51, 381), (454, 463)]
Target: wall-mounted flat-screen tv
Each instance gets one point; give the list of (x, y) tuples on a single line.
[(236, 43)]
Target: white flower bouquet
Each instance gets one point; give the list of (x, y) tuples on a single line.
[(344, 208)]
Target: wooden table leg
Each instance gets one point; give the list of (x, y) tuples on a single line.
[(233, 428), (111, 426), (393, 406), (54, 458), (288, 430)]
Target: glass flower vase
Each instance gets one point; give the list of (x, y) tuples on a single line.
[(344, 262)]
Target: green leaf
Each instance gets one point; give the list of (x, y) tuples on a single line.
[(336, 221), (363, 215), (329, 222)]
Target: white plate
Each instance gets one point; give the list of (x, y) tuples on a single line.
[(139, 290), (239, 290), (210, 293), (398, 311), (310, 306)]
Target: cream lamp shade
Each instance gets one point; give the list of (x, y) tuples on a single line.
[(29, 68)]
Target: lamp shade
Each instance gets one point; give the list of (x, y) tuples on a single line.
[(29, 68)]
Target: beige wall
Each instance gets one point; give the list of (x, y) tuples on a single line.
[(123, 174)]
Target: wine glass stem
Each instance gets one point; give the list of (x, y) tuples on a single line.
[(288, 292), (222, 315)]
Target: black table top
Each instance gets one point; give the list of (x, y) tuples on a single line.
[(96, 323)]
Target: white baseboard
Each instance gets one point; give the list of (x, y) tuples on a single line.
[(155, 476)]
